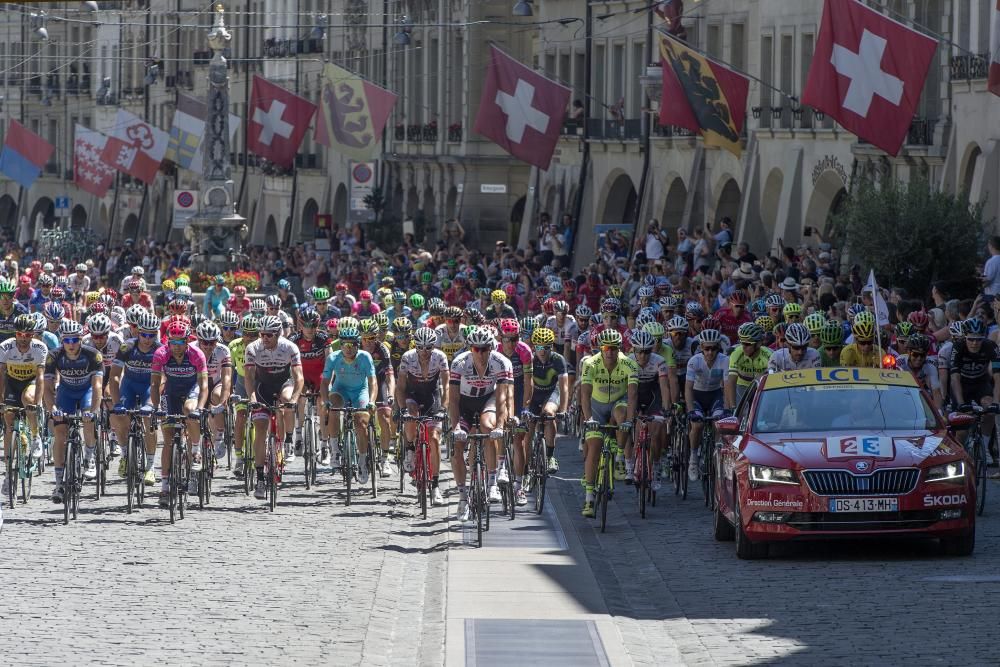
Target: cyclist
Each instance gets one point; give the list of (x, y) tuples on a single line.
[(274, 310), (478, 380), (499, 309), (313, 345), (975, 369), (179, 377), (944, 357), (289, 302), (796, 354), (24, 291), (349, 380), (863, 352), (130, 378), (136, 296), (519, 353), (747, 362), (706, 371), (402, 340), (610, 394), (43, 294), (343, 301), (237, 350), (365, 307), (273, 374), (832, 338), (423, 388), (216, 297), (732, 316), (550, 391), (80, 372), (382, 358), (107, 342), (7, 310), (655, 395), (238, 303), (923, 370), (449, 334), (22, 372), (815, 322), (683, 345), (219, 364), (229, 324), (418, 315)]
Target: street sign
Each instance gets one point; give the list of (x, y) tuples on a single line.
[(492, 189), (63, 204), (362, 185), (185, 207)]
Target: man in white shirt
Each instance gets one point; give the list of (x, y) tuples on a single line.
[(991, 272), (654, 244)]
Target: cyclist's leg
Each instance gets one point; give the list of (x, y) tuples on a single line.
[(28, 398), (487, 422), (618, 415), (217, 422), (286, 416), (336, 401)]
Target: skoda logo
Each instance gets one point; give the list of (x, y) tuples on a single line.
[(861, 465)]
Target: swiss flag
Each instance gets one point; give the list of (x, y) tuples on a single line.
[(994, 81), (520, 110), (278, 121), (135, 147), (90, 173), (868, 72)]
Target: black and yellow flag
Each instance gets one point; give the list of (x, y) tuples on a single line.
[(703, 96)]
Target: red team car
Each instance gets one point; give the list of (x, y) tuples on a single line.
[(841, 452)]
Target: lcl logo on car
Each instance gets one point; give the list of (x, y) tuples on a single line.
[(936, 501)]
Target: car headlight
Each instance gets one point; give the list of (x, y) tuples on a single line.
[(946, 472), (769, 475)]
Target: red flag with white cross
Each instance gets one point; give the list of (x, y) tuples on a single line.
[(278, 120), (520, 110), (868, 72), (994, 80)]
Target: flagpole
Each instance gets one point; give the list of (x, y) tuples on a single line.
[(931, 33)]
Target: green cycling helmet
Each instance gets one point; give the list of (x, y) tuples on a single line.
[(181, 281), (369, 327), (6, 286), (904, 330), (426, 277), (814, 323), (417, 301), (320, 294), (832, 334)]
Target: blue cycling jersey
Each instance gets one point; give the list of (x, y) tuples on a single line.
[(50, 339), (215, 300), (352, 377), (136, 364)]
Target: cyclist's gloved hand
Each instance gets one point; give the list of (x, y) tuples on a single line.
[(718, 413), (460, 435), (88, 415), (217, 409), (525, 416), (727, 413), (695, 416), (146, 410), (515, 421), (496, 433), (161, 413), (626, 426), (194, 414), (118, 410), (56, 412)]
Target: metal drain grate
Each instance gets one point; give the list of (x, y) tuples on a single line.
[(504, 642)]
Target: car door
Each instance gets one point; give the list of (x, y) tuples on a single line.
[(729, 450)]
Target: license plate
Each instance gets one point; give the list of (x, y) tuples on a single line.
[(864, 504)]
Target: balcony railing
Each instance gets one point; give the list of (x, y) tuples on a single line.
[(671, 131), (629, 128), (285, 48), (968, 66), (921, 132)]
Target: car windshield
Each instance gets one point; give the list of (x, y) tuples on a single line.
[(854, 407)]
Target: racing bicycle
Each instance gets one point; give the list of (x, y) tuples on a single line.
[(604, 483), (21, 465), (644, 472), (974, 446), (538, 466), (274, 451), (73, 472), (347, 444), (135, 458), (680, 452), (422, 473), (180, 465), (310, 436), (706, 461), (479, 499)]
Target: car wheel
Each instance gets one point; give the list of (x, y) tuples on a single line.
[(746, 549), (723, 529), (961, 546)]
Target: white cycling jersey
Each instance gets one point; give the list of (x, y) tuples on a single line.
[(703, 377), (417, 381), (782, 361), (221, 358), (110, 349), (471, 383), (19, 365)]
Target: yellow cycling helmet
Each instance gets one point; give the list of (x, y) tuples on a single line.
[(865, 316), (92, 297), (543, 336), (766, 322), (863, 330), (791, 309), (498, 296), (167, 285), (615, 291)]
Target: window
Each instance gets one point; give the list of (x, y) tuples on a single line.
[(787, 77), (599, 67), (806, 54), (617, 74), (767, 77), (636, 99), (737, 46), (713, 40)]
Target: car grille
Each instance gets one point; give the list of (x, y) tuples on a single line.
[(863, 521), (886, 482)]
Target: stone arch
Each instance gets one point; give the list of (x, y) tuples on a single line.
[(8, 215), (673, 205), (429, 207), (451, 203), (972, 162), (43, 215), (412, 201), (828, 193), (340, 206), (728, 202), (78, 218), (516, 220), (309, 213), (131, 226), (271, 232), (619, 200), (760, 230)]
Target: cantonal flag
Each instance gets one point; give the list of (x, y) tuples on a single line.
[(352, 113), (24, 154), (90, 173)]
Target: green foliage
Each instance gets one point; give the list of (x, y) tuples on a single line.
[(913, 235)]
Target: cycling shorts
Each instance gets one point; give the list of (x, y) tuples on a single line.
[(539, 399), (239, 386), (427, 405), (973, 390), (133, 395), (268, 395), (601, 413), (471, 407), (708, 401), (14, 389), (356, 398), (173, 402), (69, 400)]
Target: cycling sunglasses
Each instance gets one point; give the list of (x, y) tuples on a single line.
[(608, 348), (543, 348), (477, 348), (710, 348), (424, 348), (178, 341), (268, 335), (144, 334), (71, 339)]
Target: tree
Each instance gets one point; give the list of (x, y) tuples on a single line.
[(912, 235)]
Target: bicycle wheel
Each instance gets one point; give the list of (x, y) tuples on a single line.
[(541, 474), (606, 490), (139, 451), (13, 465), (423, 478), (486, 495), (98, 461), (401, 459), (373, 458), (705, 463), (228, 429), (272, 471), (182, 485), (26, 480), (682, 473), (130, 465), (641, 483), (77, 487), (249, 468), (509, 495), (309, 462), (175, 473), (980, 463), (348, 449), (69, 481)]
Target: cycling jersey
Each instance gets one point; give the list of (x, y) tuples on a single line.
[(180, 377), (500, 312), (217, 363), (853, 356), (349, 379), (424, 388), (519, 360), (237, 305), (729, 321), (707, 379), (7, 324), (50, 339), (609, 386), (747, 368), (237, 350), (927, 377), (22, 366), (272, 367), (781, 360), (383, 369), (136, 365), (650, 374), (360, 310), (545, 375), (451, 345), (110, 350), (74, 374), (974, 367), (569, 331), (215, 301), (683, 354), (396, 353), (313, 353), (472, 383)]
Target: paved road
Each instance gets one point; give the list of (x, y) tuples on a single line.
[(373, 584)]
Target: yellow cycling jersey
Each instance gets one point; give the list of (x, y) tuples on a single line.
[(237, 350), (853, 357), (746, 368), (609, 386), (667, 352)]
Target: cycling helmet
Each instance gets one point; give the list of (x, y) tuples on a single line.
[(774, 300), (387, 281), (693, 310), (479, 337), (609, 336), (452, 313), (24, 280), (416, 301), (98, 307), (6, 286), (645, 292), (148, 322), (814, 323), (475, 316), (510, 289), (349, 322), (282, 284), (168, 285), (91, 297), (229, 319), (863, 330), (644, 318), (249, 323), (956, 331), (39, 321), (904, 329), (738, 298), (381, 319), (560, 307), (710, 323), (426, 277), (498, 296), (528, 325), (445, 283), (710, 337), (615, 292), (865, 316), (183, 291), (974, 328), (70, 328), (437, 306), (832, 334), (269, 324), (240, 291), (919, 343), (584, 311), (207, 330), (24, 323), (766, 322), (117, 316), (677, 323), (642, 340), (178, 329), (919, 319), (196, 319), (510, 327), (854, 309), (58, 293), (543, 336), (177, 306), (555, 285), (309, 317), (273, 301), (399, 297), (133, 313), (750, 332), (654, 329), (548, 306), (791, 309), (424, 337), (320, 294), (365, 295), (402, 326), (797, 335), (45, 280), (54, 311), (668, 303), (369, 327), (611, 305), (99, 324), (258, 306)]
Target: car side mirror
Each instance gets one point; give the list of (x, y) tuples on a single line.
[(960, 420), (728, 426)]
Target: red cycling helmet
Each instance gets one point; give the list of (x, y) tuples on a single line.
[(569, 285), (177, 306), (510, 289), (549, 307), (919, 319), (510, 327), (365, 295), (24, 280), (738, 298), (331, 324), (340, 287), (178, 329), (240, 291), (710, 323)]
